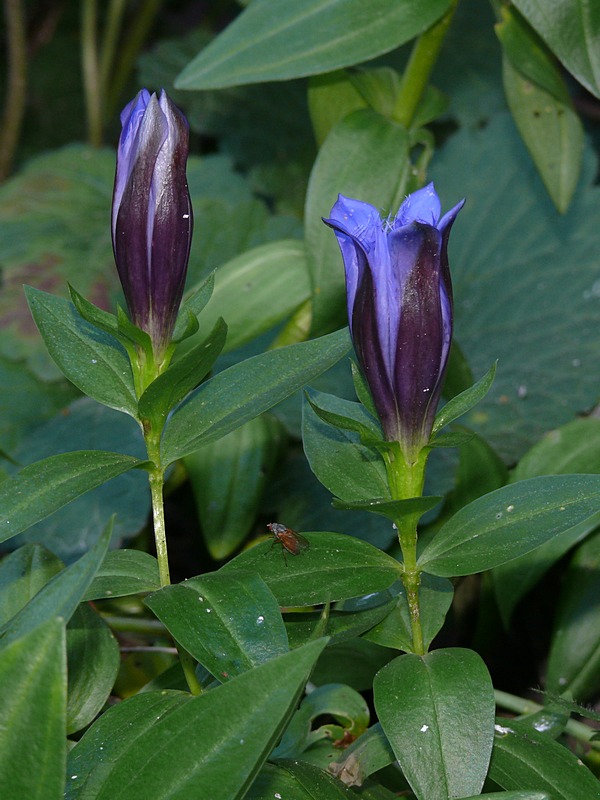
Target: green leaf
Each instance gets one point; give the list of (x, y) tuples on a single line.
[(305, 37), (354, 662), (90, 358), (111, 736), (213, 745), (93, 662), (524, 757), (60, 596), (359, 421), (435, 596), (340, 625), (364, 156), (33, 677), (511, 796), (570, 29), (124, 572), (228, 478), (245, 390), (192, 306), (464, 401), (573, 448), (574, 662), (334, 567), (331, 97), (509, 522), (392, 509), (41, 488), (258, 289), (296, 780), (97, 317), (340, 461), (437, 711), (552, 132), (22, 575), (181, 377), (237, 624)]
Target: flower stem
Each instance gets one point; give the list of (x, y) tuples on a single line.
[(418, 70), (158, 515), (16, 88), (406, 481), (91, 73)]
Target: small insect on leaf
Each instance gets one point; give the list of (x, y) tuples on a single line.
[(289, 540)]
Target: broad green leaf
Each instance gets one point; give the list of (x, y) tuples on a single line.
[(182, 376), (228, 622), (551, 375), (509, 522), (93, 662), (356, 418), (574, 662), (244, 391), (331, 97), (305, 37), (349, 469), (112, 735), (334, 567), (437, 711), (365, 156), (435, 597), (552, 132), (33, 678), (90, 358), (464, 401), (570, 29), (213, 745), (258, 289), (41, 488), (60, 596), (573, 448), (228, 478), (393, 509), (22, 575), (524, 757), (124, 572)]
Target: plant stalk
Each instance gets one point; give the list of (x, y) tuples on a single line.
[(91, 72), (16, 88)]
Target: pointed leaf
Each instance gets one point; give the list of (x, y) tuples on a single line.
[(124, 572), (509, 522), (41, 488), (247, 389), (22, 575), (60, 596), (213, 745), (90, 358), (464, 401), (305, 37)]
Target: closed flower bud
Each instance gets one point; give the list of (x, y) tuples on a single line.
[(152, 214), (399, 308)]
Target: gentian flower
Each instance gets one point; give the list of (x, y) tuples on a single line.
[(152, 214), (399, 307)]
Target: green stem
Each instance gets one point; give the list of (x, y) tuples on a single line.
[(158, 515), (16, 89), (419, 68), (91, 74), (122, 624), (519, 705), (406, 481), (109, 43), (297, 328), (136, 36), (188, 665)]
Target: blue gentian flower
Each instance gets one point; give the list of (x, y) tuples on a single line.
[(152, 214), (399, 307)]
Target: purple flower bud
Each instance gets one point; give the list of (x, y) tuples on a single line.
[(152, 213), (399, 307)]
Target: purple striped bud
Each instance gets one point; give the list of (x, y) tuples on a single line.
[(152, 214), (399, 307)]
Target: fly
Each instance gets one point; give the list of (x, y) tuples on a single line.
[(289, 540)]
